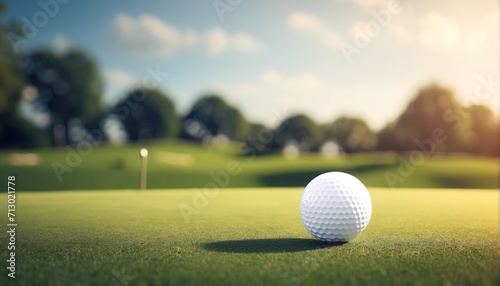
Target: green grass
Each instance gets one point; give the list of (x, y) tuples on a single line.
[(251, 236), (108, 167)]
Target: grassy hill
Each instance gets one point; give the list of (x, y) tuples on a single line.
[(174, 164)]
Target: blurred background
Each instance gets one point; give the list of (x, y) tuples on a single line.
[(398, 93)]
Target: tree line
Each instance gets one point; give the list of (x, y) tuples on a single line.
[(64, 92)]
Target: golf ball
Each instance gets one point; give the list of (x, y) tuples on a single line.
[(335, 207)]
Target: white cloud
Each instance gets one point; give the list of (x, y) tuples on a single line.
[(61, 43), (304, 22), (149, 35), (271, 78), (310, 24), (216, 41), (246, 44), (439, 32), (120, 78), (366, 4), (146, 34)]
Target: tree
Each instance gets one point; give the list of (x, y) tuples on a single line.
[(484, 131), (10, 79), (351, 134), (146, 114), (211, 116), (15, 131), (257, 141), (256, 128), (388, 139), (297, 129), (69, 87), (433, 116)]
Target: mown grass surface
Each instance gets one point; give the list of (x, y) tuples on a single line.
[(251, 237), (174, 164)]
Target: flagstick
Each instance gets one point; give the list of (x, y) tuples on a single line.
[(144, 167)]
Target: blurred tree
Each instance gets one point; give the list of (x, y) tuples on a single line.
[(300, 130), (387, 139), (87, 83), (484, 131), (10, 79), (147, 114), (15, 131), (351, 134), (433, 122), (68, 87), (256, 128), (257, 141), (211, 116), (95, 127)]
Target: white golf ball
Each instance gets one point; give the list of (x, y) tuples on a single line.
[(335, 207)]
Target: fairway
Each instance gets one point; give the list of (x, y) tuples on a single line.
[(117, 167), (252, 236)]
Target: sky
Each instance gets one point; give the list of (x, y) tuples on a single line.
[(274, 59)]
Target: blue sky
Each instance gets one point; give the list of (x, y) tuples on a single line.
[(284, 57)]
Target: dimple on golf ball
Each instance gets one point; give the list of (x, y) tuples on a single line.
[(335, 207)]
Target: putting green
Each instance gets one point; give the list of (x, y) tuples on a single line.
[(250, 236)]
